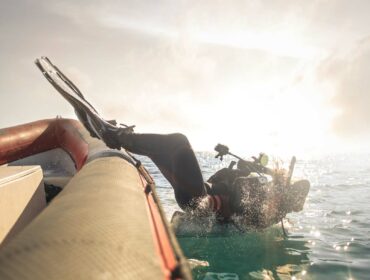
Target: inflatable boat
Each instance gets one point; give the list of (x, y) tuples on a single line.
[(70, 208)]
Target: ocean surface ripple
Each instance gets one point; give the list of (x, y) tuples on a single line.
[(329, 239)]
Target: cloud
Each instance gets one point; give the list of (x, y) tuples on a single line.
[(348, 74), (180, 64)]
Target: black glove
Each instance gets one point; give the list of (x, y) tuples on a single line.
[(222, 150)]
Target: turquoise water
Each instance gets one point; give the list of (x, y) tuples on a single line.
[(329, 239)]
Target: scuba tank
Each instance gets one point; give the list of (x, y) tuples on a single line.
[(257, 200)]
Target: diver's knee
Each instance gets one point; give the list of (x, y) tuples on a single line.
[(180, 139)]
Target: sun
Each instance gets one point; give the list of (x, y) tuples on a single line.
[(295, 121)]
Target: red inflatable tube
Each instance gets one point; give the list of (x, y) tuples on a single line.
[(27, 139)]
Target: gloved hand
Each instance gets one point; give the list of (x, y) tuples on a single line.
[(222, 150)]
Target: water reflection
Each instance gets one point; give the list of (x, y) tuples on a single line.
[(257, 255)]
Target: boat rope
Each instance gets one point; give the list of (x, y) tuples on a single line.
[(180, 270)]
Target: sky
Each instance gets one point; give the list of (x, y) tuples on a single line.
[(280, 76)]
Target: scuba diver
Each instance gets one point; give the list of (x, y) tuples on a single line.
[(226, 193), (229, 192)]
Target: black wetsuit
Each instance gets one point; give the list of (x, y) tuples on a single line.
[(173, 155)]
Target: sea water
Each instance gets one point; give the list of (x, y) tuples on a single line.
[(329, 239)]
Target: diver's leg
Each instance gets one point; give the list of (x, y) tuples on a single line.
[(173, 155)]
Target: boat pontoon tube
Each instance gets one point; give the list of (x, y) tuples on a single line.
[(105, 224)]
